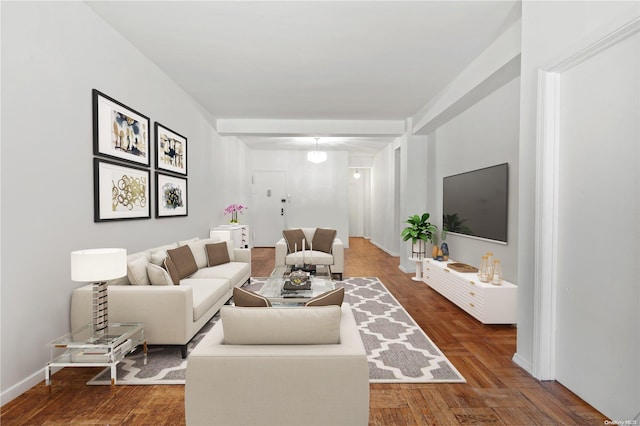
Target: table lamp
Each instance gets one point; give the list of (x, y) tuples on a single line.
[(97, 266)]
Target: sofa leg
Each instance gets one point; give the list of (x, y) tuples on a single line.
[(183, 351)]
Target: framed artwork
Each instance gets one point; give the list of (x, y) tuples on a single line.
[(171, 195), (120, 191), (171, 150), (119, 131)]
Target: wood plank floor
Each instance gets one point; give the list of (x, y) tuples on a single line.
[(497, 391)]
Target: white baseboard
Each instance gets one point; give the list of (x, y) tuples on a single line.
[(390, 253), (524, 363), (23, 386)]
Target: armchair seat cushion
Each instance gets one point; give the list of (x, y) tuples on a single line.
[(313, 257)]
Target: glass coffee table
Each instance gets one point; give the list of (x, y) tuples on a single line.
[(273, 288)]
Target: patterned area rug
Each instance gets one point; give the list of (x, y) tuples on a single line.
[(398, 350)]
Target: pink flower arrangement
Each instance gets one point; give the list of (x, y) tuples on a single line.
[(233, 210)]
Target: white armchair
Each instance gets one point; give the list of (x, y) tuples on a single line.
[(334, 260), (310, 368)]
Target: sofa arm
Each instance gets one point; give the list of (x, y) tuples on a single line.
[(281, 252), (166, 312)]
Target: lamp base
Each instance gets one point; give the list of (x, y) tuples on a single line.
[(100, 307)]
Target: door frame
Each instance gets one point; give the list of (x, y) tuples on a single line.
[(286, 183), (546, 194)]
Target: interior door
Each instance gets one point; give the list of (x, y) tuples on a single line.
[(269, 217)]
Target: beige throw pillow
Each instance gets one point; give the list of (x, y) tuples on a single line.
[(158, 275), (183, 259), (137, 271)]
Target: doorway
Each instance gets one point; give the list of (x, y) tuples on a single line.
[(270, 201)]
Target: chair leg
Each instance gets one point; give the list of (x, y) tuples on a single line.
[(183, 351)]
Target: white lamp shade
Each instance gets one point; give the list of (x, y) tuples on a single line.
[(317, 156), (98, 264)]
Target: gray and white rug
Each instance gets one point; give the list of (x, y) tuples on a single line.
[(398, 350)]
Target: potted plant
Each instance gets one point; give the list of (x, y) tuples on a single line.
[(233, 210), (419, 232)]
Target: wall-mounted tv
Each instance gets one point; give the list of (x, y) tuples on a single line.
[(475, 203)]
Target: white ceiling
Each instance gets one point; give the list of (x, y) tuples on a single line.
[(303, 60)]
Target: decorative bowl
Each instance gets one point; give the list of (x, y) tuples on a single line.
[(298, 278)]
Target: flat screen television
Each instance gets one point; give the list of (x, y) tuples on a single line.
[(475, 203)]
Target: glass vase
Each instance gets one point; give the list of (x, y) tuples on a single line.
[(496, 279)]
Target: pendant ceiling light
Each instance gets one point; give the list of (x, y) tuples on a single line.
[(356, 175), (317, 156)]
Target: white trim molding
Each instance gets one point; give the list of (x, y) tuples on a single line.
[(546, 219)]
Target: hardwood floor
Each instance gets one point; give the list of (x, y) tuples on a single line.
[(497, 390)]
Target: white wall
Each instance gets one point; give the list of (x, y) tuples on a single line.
[(413, 195), (53, 54), (383, 194), (565, 24), (359, 194), (318, 191), (595, 307), (484, 135)]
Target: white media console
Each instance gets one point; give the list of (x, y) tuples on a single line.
[(488, 303)]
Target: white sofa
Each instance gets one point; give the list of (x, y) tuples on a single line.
[(267, 383), (171, 314), (335, 259)]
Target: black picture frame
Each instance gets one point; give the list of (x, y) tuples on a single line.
[(120, 191), (120, 132), (171, 195), (171, 150)]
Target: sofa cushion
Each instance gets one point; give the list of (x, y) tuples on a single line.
[(205, 294), (158, 257), (332, 297), (249, 299), (137, 270), (323, 239), (160, 253), (199, 251), (315, 257), (231, 250), (232, 271), (171, 269), (294, 238), (217, 253), (319, 325), (158, 275), (185, 263)]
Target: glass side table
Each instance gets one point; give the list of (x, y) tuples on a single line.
[(85, 348)]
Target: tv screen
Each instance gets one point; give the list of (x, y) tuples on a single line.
[(475, 203)]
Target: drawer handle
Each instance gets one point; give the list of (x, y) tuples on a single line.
[(472, 283), (472, 305), (446, 270), (427, 276), (472, 293)]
